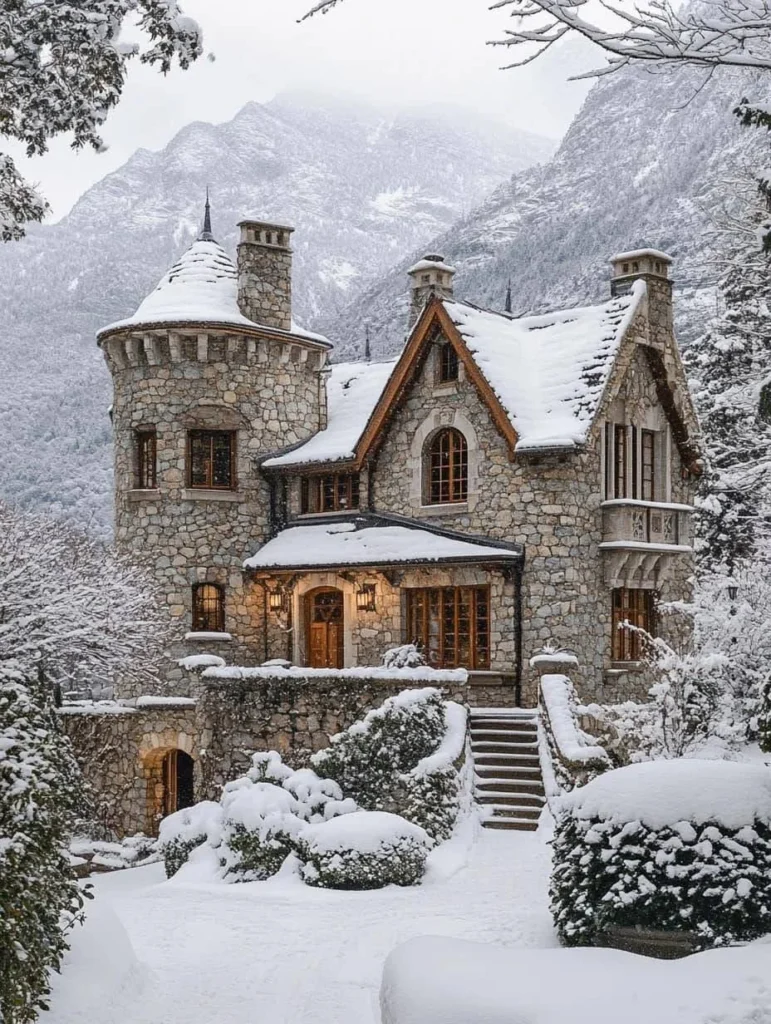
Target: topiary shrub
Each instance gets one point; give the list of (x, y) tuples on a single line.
[(681, 846), (184, 831), (365, 850), (369, 760)]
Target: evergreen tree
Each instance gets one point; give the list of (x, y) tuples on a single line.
[(40, 797), (731, 367)]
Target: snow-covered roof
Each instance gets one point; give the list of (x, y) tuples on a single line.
[(358, 542), (429, 264), (549, 371), (201, 287), (353, 390), (636, 254)]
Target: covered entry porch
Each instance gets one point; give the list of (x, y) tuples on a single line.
[(339, 594)]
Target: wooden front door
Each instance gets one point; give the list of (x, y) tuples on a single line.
[(325, 628)]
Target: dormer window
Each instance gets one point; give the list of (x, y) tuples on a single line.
[(332, 492), (448, 364)]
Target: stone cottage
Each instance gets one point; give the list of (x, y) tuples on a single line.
[(504, 483)]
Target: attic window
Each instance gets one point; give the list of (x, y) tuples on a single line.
[(448, 364)]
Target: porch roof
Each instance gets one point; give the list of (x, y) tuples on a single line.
[(372, 541)]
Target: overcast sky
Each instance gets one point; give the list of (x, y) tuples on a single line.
[(389, 52)]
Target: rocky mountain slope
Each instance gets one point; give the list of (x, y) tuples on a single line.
[(362, 189), (649, 160)]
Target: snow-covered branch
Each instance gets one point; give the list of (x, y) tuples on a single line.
[(62, 69), (72, 611)]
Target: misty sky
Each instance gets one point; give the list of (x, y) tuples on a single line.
[(390, 52)]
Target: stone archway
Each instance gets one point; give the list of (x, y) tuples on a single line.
[(168, 767)]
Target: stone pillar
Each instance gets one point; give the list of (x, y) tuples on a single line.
[(265, 274), (430, 276)]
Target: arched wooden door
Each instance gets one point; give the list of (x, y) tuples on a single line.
[(325, 623)]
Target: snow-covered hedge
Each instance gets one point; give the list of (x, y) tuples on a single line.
[(680, 845), (185, 830), (403, 757), (364, 850)]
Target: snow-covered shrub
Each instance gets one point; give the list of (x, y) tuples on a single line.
[(187, 829), (681, 845), (440, 785), (40, 795), (406, 656), (260, 825), (365, 850), (369, 760)]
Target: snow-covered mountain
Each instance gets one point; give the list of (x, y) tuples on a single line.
[(648, 160), (361, 188)]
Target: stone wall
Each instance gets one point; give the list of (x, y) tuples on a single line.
[(268, 393), (549, 503), (121, 748)]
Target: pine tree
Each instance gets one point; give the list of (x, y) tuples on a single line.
[(731, 367), (40, 797)]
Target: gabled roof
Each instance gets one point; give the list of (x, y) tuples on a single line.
[(547, 372), (371, 541), (201, 288), (353, 390)]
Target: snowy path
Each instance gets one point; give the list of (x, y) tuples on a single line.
[(282, 953)]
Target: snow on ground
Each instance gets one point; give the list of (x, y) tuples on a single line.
[(280, 952)]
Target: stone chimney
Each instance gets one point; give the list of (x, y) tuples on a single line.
[(265, 274), (430, 276), (651, 266)]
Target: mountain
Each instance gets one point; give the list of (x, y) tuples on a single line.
[(649, 160), (362, 189)]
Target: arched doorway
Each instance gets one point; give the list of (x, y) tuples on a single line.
[(177, 781), (325, 623)]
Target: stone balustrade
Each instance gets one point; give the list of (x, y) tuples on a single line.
[(646, 522)]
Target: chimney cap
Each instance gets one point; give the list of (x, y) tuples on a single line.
[(431, 262), (636, 254), (264, 224)]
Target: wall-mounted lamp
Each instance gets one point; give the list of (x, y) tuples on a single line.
[(276, 600), (733, 591), (365, 597)]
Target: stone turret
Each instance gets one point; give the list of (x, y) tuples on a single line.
[(201, 392), (430, 276), (265, 274), (652, 267)]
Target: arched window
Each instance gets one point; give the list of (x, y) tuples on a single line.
[(447, 468), (208, 608)]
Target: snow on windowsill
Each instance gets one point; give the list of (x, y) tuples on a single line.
[(221, 637), (166, 702)]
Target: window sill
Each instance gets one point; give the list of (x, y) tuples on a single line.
[(620, 668), (202, 494), (140, 494), (450, 509), (209, 637), (446, 387)]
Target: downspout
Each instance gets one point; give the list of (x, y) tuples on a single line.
[(518, 573)]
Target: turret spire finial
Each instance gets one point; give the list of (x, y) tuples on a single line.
[(206, 235)]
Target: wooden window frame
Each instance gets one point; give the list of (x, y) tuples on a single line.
[(208, 617), (620, 460), (648, 465), (446, 468), (448, 364), (418, 618), (146, 442), (638, 607), (329, 492), (209, 485)]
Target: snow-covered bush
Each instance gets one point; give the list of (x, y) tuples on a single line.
[(369, 760), (365, 850), (261, 822), (406, 656), (39, 802), (681, 845), (440, 786), (187, 829)]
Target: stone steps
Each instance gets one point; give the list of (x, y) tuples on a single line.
[(508, 783)]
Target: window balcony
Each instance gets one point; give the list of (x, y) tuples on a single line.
[(642, 539)]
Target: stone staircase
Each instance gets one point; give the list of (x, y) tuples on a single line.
[(504, 744)]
